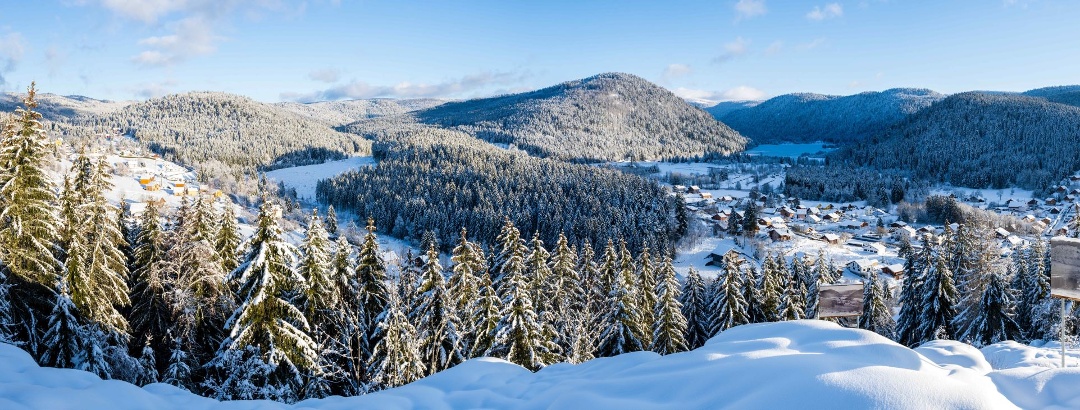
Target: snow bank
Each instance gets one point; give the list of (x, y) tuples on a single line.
[(803, 364)]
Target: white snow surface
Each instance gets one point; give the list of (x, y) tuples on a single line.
[(803, 364), (304, 178)]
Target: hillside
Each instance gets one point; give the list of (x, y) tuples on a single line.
[(205, 127), (980, 140), (815, 117), (605, 117), (724, 107), (809, 364), (59, 107), (1062, 94), (338, 113)]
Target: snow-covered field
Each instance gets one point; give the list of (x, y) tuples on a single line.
[(306, 177), (804, 364)]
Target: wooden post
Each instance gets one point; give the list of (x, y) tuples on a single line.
[(1061, 338)]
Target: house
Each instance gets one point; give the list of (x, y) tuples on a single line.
[(896, 270), (1033, 202), (875, 247), (694, 189), (152, 186), (680, 188), (1012, 241), (720, 216), (861, 266), (1051, 201), (1046, 221), (780, 235), (815, 211), (706, 195), (179, 183), (813, 219), (1028, 218), (1062, 231), (1001, 233), (146, 179), (830, 238), (907, 230), (786, 212), (716, 257), (192, 191), (833, 217), (1055, 211)]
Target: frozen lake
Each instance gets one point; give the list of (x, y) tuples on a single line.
[(789, 150)]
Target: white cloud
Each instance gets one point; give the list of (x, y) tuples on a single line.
[(326, 75), (154, 89), (774, 48), (673, 71), (453, 87), (745, 9), (740, 93), (191, 37), (147, 11), (732, 50), (11, 53), (829, 11)]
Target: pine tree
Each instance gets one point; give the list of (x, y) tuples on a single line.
[(484, 316), (876, 315), (818, 275), (374, 294), (670, 324), (996, 323), (510, 257), (728, 308), (148, 364), (1032, 281), (567, 294), (395, 359), (519, 334), (772, 289), (178, 370), (65, 338), (98, 285), (647, 296), (227, 240), (150, 311), (593, 295), (320, 298), (538, 273), (331, 221), (29, 243), (749, 219), (938, 307), (464, 285), (265, 318), (437, 323), (750, 281), (915, 267), (694, 300)]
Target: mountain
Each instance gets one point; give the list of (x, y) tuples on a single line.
[(605, 117), (207, 127), (724, 107), (807, 117), (1063, 94), (980, 140), (338, 113), (59, 107)]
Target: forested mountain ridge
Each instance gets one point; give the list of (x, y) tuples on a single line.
[(205, 127), (338, 113), (805, 117), (54, 107), (609, 116), (1062, 94), (980, 140)]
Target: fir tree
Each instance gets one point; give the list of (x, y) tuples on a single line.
[(227, 240), (437, 324), (996, 323), (750, 218), (567, 294), (331, 221), (670, 324), (647, 297), (65, 338), (148, 364), (265, 318), (519, 334), (938, 304), (484, 316), (395, 359), (876, 315), (728, 308), (915, 266), (1032, 282), (464, 285), (320, 299), (150, 311), (374, 294), (539, 273), (510, 257), (694, 300), (178, 370), (772, 289)]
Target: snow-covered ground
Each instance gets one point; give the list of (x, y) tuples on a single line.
[(804, 364), (304, 178)]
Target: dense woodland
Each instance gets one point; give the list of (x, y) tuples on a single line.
[(838, 183), (815, 117), (610, 116), (979, 140), (339, 113), (180, 298)]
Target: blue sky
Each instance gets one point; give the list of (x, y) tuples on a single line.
[(275, 50)]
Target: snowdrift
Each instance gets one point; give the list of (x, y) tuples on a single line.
[(803, 364)]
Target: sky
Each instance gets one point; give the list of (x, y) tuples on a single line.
[(292, 50)]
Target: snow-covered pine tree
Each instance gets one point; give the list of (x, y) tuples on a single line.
[(28, 223), (65, 338), (438, 338), (484, 316), (566, 293), (1032, 282), (694, 300), (178, 370), (728, 308), (915, 268), (204, 225), (148, 364), (538, 273), (266, 319), (98, 286), (510, 256), (670, 326), (150, 311), (408, 279), (331, 221), (468, 259), (395, 360), (938, 304), (876, 315), (976, 255), (750, 280), (320, 296), (227, 239), (995, 322), (519, 334), (818, 275), (772, 289), (374, 294), (646, 293)]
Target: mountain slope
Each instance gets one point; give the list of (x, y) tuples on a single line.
[(815, 117), (60, 107), (203, 127), (338, 113), (981, 140), (605, 117), (1062, 94), (724, 107)]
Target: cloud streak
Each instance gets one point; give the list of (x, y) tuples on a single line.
[(732, 50), (454, 87), (745, 9), (739, 93), (11, 53), (831, 10)]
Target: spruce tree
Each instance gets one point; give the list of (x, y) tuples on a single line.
[(266, 319), (647, 296), (510, 256), (567, 293), (331, 221), (539, 273), (484, 316), (437, 324), (915, 268), (996, 323), (395, 360), (320, 296), (670, 326), (464, 285), (227, 240), (518, 336), (66, 337), (1032, 282), (694, 300), (876, 315), (772, 289), (150, 311), (728, 308), (374, 294), (938, 303)]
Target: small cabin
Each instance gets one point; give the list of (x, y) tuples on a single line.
[(780, 235), (895, 270), (830, 238)]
